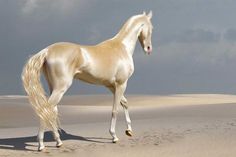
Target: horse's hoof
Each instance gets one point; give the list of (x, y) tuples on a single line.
[(59, 144), (129, 133), (41, 148), (115, 140)]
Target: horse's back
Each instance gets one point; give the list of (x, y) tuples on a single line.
[(105, 63)]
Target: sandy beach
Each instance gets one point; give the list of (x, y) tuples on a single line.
[(190, 125)]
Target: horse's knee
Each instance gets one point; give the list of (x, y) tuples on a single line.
[(114, 114), (124, 103), (55, 109)]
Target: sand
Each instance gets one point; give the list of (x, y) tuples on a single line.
[(202, 125)]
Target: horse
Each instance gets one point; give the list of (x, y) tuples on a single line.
[(109, 63)]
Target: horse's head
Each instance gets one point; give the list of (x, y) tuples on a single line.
[(145, 36)]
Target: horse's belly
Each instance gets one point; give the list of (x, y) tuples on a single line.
[(86, 77), (107, 75)]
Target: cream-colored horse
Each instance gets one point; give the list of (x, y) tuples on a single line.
[(109, 63)]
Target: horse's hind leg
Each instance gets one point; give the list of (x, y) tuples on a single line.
[(58, 91), (58, 85), (42, 123), (41, 135), (56, 95), (55, 132)]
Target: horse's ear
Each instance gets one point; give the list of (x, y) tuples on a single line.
[(144, 13), (150, 15)]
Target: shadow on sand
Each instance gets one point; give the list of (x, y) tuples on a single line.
[(20, 143)]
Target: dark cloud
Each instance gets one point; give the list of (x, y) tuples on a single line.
[(188, 56), (197, 35), (230, 34), (191, 36)]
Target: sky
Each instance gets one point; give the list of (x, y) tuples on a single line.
[(194, 41)]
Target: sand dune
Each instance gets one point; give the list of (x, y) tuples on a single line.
[(168, 126)]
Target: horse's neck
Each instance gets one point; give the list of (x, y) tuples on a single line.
[(128, 34)]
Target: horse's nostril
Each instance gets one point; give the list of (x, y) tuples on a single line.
[(148, 47)]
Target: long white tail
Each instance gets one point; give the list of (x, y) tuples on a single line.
[(32, 84)]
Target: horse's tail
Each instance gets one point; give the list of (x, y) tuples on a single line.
[(32, 84)]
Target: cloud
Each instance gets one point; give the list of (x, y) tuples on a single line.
[(186, 67), (191, 36), (198, 35), (198, 54), (189, 39), (30, 6), (63, 6), (230, 34)]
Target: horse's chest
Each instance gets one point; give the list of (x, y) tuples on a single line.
[(124, 71)]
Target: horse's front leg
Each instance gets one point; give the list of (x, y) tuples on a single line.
[(124, 104), (118, 93)]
